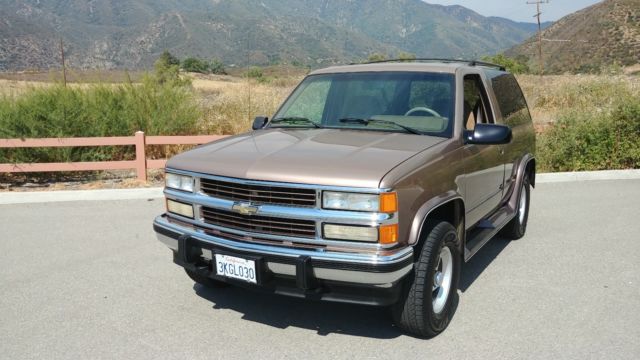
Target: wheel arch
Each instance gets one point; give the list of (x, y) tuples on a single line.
[(449, 208)]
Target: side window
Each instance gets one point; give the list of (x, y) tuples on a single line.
[(511, 101), (310, 101), (476, 104)]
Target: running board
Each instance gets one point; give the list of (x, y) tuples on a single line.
[(487, 229)]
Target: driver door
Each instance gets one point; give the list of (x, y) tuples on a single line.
[(484, 164)]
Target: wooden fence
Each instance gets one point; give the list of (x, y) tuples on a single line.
[(139, 140)]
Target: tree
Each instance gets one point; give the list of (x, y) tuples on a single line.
[(217, 67), (192, 64), (513, 65), (376, 57), (167, 58), (406, 56)]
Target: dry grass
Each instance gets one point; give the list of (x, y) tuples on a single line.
[(550, 96)]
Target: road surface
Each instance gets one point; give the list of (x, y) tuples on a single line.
[(88, 279)]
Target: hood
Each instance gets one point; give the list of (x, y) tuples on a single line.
[(333, 157)]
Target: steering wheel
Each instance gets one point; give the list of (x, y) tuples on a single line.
[(422, 108)]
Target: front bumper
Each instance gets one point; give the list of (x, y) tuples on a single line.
[(325, 275)]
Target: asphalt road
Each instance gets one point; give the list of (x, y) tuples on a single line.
[(89, 280)]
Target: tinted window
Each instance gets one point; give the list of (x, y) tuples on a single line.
[(511, 101)]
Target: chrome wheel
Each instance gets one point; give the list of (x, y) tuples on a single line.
[(522, 209), (442, 280)]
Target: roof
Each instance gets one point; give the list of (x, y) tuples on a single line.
[(448, 66)]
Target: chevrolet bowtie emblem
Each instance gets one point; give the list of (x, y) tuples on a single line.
[(245, 208)]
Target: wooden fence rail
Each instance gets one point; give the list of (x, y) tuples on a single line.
[(139, 140)]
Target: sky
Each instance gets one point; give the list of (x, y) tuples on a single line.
[(518, 10)]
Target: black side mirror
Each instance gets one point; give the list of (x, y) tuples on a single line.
[(259, 122), (488, 134)]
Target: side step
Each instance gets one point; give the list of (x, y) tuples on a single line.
[(486, 230)]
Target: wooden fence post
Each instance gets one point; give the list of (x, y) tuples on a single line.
[(141, 156)]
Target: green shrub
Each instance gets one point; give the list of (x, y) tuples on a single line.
[(255, 72), (192, 64), (513, 65), (585, 140), (160, 105)]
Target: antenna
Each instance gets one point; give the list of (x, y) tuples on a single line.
[(537, 3)]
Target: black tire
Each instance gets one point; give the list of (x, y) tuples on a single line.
[(205, 281), (517, 227), (414, 312)]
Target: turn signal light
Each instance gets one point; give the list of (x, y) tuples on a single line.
[(388, 234), (389, 202)]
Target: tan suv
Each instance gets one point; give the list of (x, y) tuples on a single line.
[(372, 184)]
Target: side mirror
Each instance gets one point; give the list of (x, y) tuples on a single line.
[(488, 134), (259, 122)]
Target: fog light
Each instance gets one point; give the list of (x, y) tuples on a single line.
[(353, 233), (179, 208)]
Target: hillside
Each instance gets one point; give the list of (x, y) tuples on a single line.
[(590, 39), (125, 34)]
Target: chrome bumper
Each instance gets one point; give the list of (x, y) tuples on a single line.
[(355, 268)]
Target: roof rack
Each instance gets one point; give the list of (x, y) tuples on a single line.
[(449, 61)]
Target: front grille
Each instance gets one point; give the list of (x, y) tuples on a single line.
[(259, 224), (258, 194)]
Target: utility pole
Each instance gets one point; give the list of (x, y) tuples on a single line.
[(64, 67), (537, 15)]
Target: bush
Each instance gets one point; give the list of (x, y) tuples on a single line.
[(160, 105), (581, 140), (255, 72), (192, 64)]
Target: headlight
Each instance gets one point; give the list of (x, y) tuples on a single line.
[(179, 208), (346, 232), (385, 202), (179, 182)]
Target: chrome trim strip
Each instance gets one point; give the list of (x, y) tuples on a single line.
[(361, 258), (302, 213), (278, 184), (345, 244)]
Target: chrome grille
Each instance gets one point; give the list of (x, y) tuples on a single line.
[(258, 194), (259, 224)]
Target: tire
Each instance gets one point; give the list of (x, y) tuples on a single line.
[(205, 281), (424, 311), (517, 227)]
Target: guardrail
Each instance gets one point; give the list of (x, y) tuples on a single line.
[(141, 164)]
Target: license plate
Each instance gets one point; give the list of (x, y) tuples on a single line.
[(236, 268)]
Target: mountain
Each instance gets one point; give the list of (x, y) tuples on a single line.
[(598, 36), (132, 34)]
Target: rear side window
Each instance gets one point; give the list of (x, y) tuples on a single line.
[(511, 101)]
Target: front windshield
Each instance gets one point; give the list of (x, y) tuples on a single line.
[(414, 102)]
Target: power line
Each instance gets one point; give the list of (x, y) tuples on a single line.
[(537, 3)]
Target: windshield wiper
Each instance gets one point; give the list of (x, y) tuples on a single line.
[(375, 121), (295, 120)]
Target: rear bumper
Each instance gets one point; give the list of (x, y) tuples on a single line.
[(324, 275)]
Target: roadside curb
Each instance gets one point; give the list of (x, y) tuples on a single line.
[(15, 197), (588, 176)]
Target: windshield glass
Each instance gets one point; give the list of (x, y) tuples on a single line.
[(412, 102)]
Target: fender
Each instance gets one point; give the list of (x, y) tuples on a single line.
[(522, 167), (424, 211)]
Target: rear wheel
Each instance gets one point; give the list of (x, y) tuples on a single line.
[(430, 294), (516, 228), (205, 281)]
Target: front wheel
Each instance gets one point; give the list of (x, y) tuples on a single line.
[(429, 298)]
